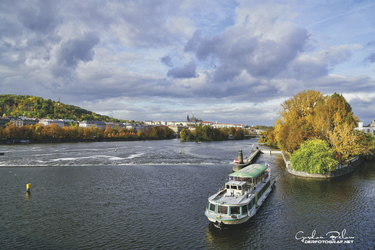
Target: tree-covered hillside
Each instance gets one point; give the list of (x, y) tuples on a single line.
[(37, 107)]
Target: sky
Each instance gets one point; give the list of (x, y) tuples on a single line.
[(219, 60)]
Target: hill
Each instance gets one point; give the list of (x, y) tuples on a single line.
[(37, 107)]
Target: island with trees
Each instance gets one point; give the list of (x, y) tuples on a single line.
[(208, 133), (317, 132)]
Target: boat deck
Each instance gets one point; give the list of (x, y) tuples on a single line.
[(231, 199)]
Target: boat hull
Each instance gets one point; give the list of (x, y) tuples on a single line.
[(228, 221), (225, 219)]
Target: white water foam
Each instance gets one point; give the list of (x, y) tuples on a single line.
[(135, 156)]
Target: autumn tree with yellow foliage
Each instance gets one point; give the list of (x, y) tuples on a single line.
[(313, 115)]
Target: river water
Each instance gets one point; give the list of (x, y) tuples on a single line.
[(153, 194)]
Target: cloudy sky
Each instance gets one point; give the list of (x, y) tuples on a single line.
[(221, 60)]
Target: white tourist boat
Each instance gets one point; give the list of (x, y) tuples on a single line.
[(241, 197)]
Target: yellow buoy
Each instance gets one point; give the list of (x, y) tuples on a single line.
[(28, 187)]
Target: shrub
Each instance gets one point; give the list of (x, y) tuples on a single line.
[(314, 157)]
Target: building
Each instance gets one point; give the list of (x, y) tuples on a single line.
[(222, 125), (96, 124), (205, 123), (366, 129), (129, 126), (19, 122), (193, 119), (149, 122), (47, 122), (177, 123), (143, 128), (227, 125)]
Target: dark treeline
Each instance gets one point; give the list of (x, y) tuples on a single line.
[(207, 133), (54, 133)]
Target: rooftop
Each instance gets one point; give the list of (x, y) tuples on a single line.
[(251, 171)]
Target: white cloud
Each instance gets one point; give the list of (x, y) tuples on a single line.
[(228, 60)]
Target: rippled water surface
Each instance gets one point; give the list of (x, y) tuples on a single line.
[(152, 195)]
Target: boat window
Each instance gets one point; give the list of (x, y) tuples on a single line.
[(234, 187), (212, 207), (222, 210), (244, 209), (251, 204), (249, 181), (235, 210), (228, 187)]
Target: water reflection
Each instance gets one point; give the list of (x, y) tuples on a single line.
[(234, 237), (27, 196)]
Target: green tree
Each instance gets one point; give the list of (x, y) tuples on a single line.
[(185, 135), (207, 133), (314, 157)]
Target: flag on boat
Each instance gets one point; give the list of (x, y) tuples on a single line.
[(268, 165)]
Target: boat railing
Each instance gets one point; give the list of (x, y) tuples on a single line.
[(219, 194)]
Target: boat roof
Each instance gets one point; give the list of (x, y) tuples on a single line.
[(250, 171)]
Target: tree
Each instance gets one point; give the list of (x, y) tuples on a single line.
[(294, 124), (239, 134), (52, 131), (314, 157), (11, 131), (185, 135), (331, 112), (348, 143), (207, 133), (310, 115)]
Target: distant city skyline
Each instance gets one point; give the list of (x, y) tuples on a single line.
[(226, 61)]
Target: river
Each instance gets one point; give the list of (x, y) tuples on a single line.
[(153, 194)]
